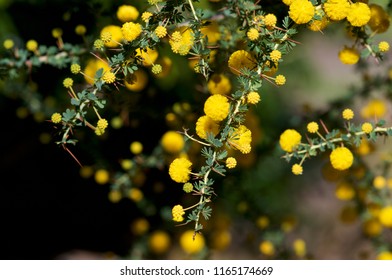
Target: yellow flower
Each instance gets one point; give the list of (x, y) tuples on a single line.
[(376, 108), (240, 139), (206, 125), (136, 81), (367, 127), (56, 118), (109, 77), (131, 31), (385, 216), (68, 82), (252, 34), (115, 35), (148, 56), (146, 16), (102, 124), (178, 213), (8, 44), (80, 29), (101, 176), (312, 127), (348, 114), (318, 24), (289, 140), (383, 46), (239, 60), (172, 142), (231, 162), (140, 226), (160, 31), (57, 33), (93, 65), (212, 32), (135, 194), (344, 191), (349, 55), (267, 248), (270, 20), (217, 107), (159, 242), (358, 14), (127, 13), (372, 227), (336, 9), (253, 97), (280, 80), (301, 11), (341, 158), (180, 169), (136, 147), (31, 45), (114, 196), (379, 19), (297, 169), (299, 247), (190, 243), (219, 84), (181, 41), (385, 255), (275, 55), (262, 222)]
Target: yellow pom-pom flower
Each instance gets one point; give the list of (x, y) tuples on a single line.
[(344, 191), (101, 176), (280, 80), (206, 125), (252, 34), (385, 216), (190, 243), (349, 55), (115, 35), (240, 139), (109, 77), (159, 242), (379, 182), (341, 158), (379, 19), (301, 11), (231, 162), (178, 213), (289, 140), (131, 31), (267, 248), (8, 44), (219, 84), (348, 114), (80, 30), (275, 55), (180, 169), (127, 13), (68, 82), (297, 169), (270, 20), (146, 16), (336, 9), (367, 127), (172, 142), (160, 31), (299, 247), (383, 46), (253, 97), (136, 147), (32, 45), (312, 127), (102, 124), (217, 107), (385, 255), (358, 14), (239, 60), (56, 118)]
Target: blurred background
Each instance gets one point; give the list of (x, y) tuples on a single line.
[(51, 210)]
